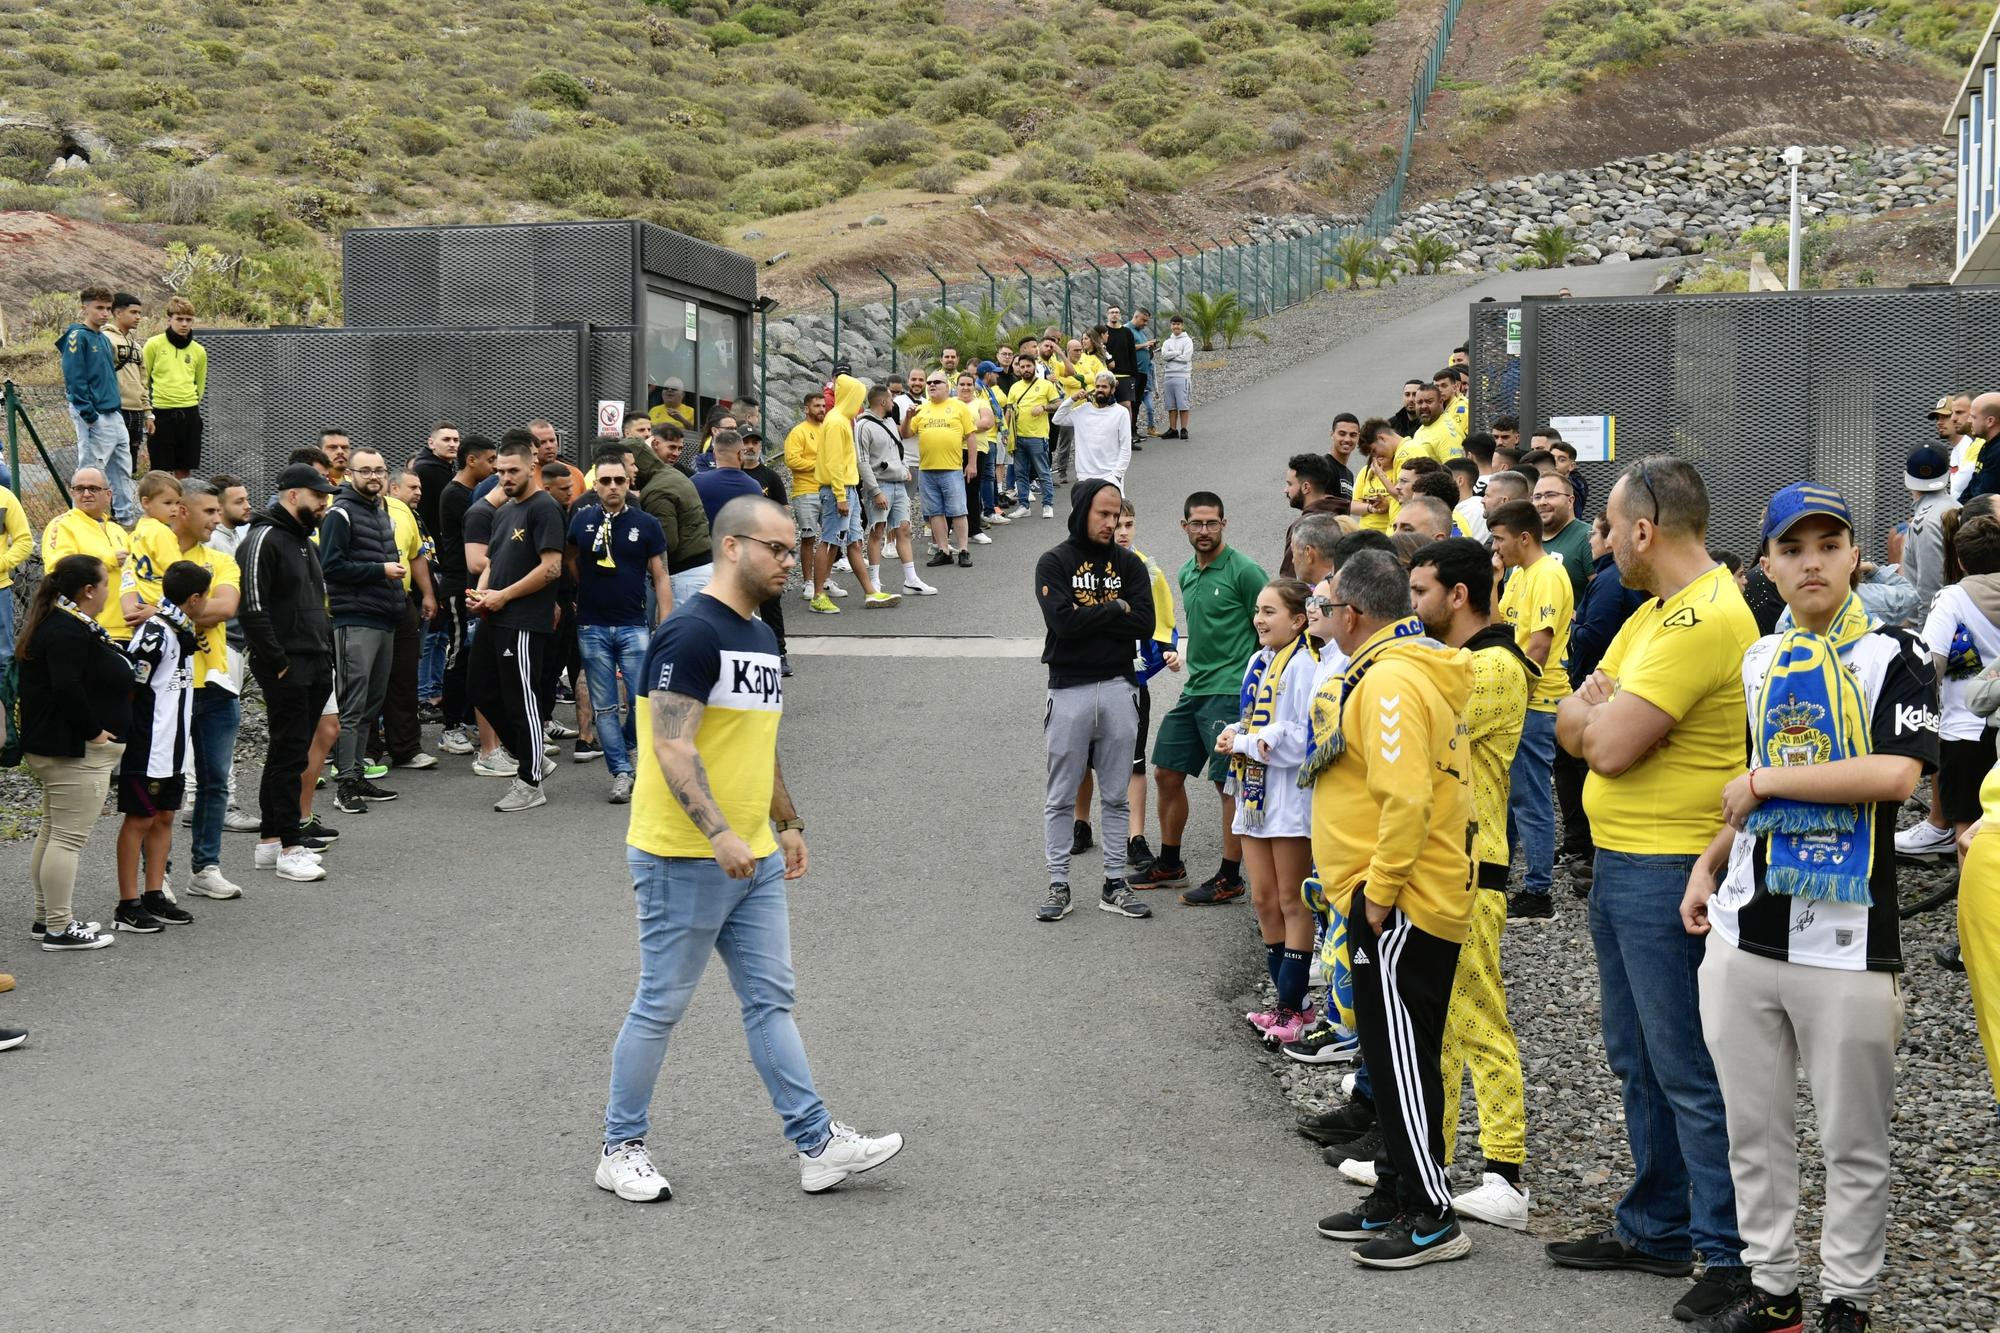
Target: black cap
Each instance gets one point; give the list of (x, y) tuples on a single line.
[(1927, 470), (304, 477), (750, 435)]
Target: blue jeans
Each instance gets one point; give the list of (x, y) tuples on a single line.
[(430, 667), (216, 715), (6, 623), (1531, 802), (104, 445), (1682, 1202), (1031, 465), (688, 909), (610, 651)]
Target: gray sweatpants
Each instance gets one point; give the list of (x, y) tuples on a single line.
[(1761, 1019), (361, 664), (1090, 727)]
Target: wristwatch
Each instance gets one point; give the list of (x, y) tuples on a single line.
[(791, 825)]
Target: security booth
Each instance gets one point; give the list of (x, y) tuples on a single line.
[(489, 326)]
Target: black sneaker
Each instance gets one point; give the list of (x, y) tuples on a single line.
[(1214, 891), (1374, 1216), (1363, 1148), (134, 917), (1057, 905), (1080, 840), (157, 905), (1719, 1290), (1324, 1043), (1161, 875), (1605, 1251), (1839, 1316), (317, 828), (1138, 856), (965, 560), (1422, 1238), (79, 937), (586, 751), (429, 714), (1338, 1125), (1118, 898), (370, 792), (1534, 908), (1752, 1311), (785, 666), (938, 560), (310, 843), (1947, 957), (348, 800), (12, 1037)]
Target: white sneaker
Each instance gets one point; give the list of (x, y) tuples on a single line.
[(457, 741), (1495, 1202), (809, 592), (521, 796), (846, 1153), (1925, 839), (833, 589), (981, 539), (300, 865), (1048, 511), (419, 760), (267, 855), (239, 821), (918, 588), (627, 1171), (1347, 1083), (1358, 1171), (499, 764), (550, 749), (1018, 511), (209, 883), (841, 566), (997, 517)]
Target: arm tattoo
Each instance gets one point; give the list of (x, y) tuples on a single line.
[(676, 719)]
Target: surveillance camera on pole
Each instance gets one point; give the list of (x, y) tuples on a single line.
[(1793, 156)]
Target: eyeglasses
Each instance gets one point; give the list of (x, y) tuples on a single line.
[(611, 481), (369, 471), (89, 490), (1323, 605), (935, 384), (1638, 474), (1202, 524), (779, 551)]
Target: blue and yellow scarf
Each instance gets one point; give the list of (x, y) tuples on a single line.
[(1324, 740), (1810, 710), (1258, 700)]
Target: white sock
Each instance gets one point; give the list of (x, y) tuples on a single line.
[(811, 590), (875, 576), (909, 571)]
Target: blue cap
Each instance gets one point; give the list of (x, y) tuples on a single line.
[(1803, 499), (1928, 469), (989, 367)]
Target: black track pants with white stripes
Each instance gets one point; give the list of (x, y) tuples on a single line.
[(506, 672), (1402, 991)]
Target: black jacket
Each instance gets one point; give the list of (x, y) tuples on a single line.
[(283, 612), (356, 538), (74, 684), (1121, 351), (436, 474), (1080, 586)]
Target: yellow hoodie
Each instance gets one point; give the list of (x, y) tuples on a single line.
[(837, 465), (1392, 810)]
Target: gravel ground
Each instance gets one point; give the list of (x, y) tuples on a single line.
[(1944, 1223), (1309, 328)]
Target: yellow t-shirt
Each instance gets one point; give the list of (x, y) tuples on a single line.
[(1163, 599), (1437, 440), (211, 659), (1366, 486), (1087, 368), (17, 538), (409, 537), (941, 431), (1032, 400), (1685, 657), (154, 547), (1536, 598), (802, 455), (660, 412), (1989, 800), (1493, 727), (77, 533)]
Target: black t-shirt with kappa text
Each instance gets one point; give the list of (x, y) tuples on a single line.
[(522, 531)]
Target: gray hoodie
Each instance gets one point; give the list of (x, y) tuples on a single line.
[(881, 449)]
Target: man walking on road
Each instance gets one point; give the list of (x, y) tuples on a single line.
[(1391, 806), (1097, 600), (364, 576), (1660, 723), (1219, 587), (615, 550), (290, 642), (708, 874), (1103, 429), (516, 595)]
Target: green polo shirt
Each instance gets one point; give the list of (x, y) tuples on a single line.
[(1220, 601), (1572, 544)]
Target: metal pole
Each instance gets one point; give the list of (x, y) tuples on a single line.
[(1030, 279), (13, 443), (1098, 313), (944, 293), (836, 315), (1153, 267), (992, 287), (1065, 272), (1792, 268), (763, 341), (1128, 283), (893, 302), (1180, 277)]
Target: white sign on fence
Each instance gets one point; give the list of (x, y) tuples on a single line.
[(611, 416), (1513, 330), (1595, 438)]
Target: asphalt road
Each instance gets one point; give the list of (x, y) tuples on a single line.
[(374, 1102)]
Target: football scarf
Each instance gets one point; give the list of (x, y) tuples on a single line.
[(1258, 701)]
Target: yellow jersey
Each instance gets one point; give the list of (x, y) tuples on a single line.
[(941, 431), (77, 533), (1538, 597)]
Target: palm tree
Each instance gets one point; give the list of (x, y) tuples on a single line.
[(1351, 258), (1431, 251), (1551, 247), (975, 332), (1208, 316)]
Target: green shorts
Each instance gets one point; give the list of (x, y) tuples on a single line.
[(1187, 734)]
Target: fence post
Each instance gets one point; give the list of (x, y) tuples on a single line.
[(1098, 313), (992, 287), (893, 313), (1065, 272), (763, 342), (1127, 261), (1029, 278), (836, 315), (1153, 267), (1180, 277), (944, 292), (13, 440)]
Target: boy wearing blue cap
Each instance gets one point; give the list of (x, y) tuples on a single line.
[(1797, 898)]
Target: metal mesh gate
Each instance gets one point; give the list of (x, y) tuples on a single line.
[(1495, 378), (271, 391), (1761, 390)]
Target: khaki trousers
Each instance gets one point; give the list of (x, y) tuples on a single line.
[(72, 798)]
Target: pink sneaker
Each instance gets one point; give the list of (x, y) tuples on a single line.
[(1260, 1019), (1288, 1025)]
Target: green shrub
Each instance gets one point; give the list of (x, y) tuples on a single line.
[(787, 109), (1171, 45), (1246, 78), (968, 95), (1205, 129), (555, 87), (1138, 172), (681, 218), (1326, 15), (980, 136), (895, 139), (1286, 133), (219, 53), (559, 170), (971, 161), (937, 178), (722, 36), (57, 59), (1099, 55), (1236, 31), (419, 138), (768, 20)]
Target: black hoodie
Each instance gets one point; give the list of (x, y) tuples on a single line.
[(283, 612), (1097, 599)]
